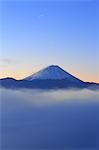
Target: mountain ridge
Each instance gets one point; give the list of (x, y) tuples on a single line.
[(51, 77)]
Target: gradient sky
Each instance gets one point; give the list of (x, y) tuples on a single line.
[(35, 34)]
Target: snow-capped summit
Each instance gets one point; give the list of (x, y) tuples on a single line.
[(51, 72)]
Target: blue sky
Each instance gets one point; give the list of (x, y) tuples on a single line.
[(40, 33)]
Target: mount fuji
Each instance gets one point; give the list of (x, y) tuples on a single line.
[(51, 77), (52, 72)]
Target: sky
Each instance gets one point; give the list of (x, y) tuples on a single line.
[(36, 34)]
